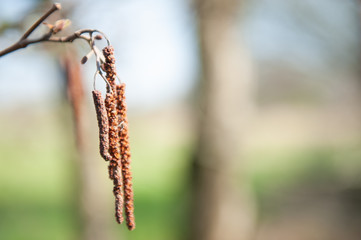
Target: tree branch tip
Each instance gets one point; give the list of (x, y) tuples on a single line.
[(57, 6)]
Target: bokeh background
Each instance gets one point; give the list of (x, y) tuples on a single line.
[(244, 119)]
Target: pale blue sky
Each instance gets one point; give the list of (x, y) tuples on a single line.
[(156, 46), (316, 35), (155, 51)]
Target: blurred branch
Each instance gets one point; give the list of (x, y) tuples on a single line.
[(5, 25), (221, 207), (55, 7), (49, 36)]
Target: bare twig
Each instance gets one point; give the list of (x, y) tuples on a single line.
[(23, 41), (48, 37), (55, 7)]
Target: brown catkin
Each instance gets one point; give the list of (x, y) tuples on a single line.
[(114, 151), (111, 106), (102, 124), (109, 67), (125, 157), (118, 147), (118, 193)]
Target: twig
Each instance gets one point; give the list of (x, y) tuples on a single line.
[(55, 7), (23, 41), (48, 37)]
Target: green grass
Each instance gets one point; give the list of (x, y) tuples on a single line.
[(37, 188), (38, 192), (34, 196), (275, 174)]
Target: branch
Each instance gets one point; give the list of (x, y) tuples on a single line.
[(49, 36), (23, 42), (55, 7), (46, 38)]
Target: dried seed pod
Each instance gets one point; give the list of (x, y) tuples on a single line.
[(102, 124)]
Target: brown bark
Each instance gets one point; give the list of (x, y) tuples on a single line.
[(221, 209)]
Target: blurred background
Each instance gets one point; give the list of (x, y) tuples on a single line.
[(244, 116)]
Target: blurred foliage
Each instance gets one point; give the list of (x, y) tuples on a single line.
[(38, 198), (293, 173)]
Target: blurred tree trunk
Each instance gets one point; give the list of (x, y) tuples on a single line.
[(94, 216), (221, 208)]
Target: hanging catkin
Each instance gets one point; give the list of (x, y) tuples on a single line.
[(115, 168), (125, 157), (102, 124), (114, 139), (114, 151), (109, 67)]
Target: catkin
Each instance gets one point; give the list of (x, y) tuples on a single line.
[(109, 67), (125, 157), (102, 124), (114, 139), (114, 150)]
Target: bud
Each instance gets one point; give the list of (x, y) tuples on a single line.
[(50, 26), (98, 37), (84, 60), (60, 25)]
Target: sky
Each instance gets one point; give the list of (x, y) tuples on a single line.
[(155, 49), (322, 35), (156, 46)]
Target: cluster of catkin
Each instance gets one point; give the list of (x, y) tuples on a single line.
[(114, 139)]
